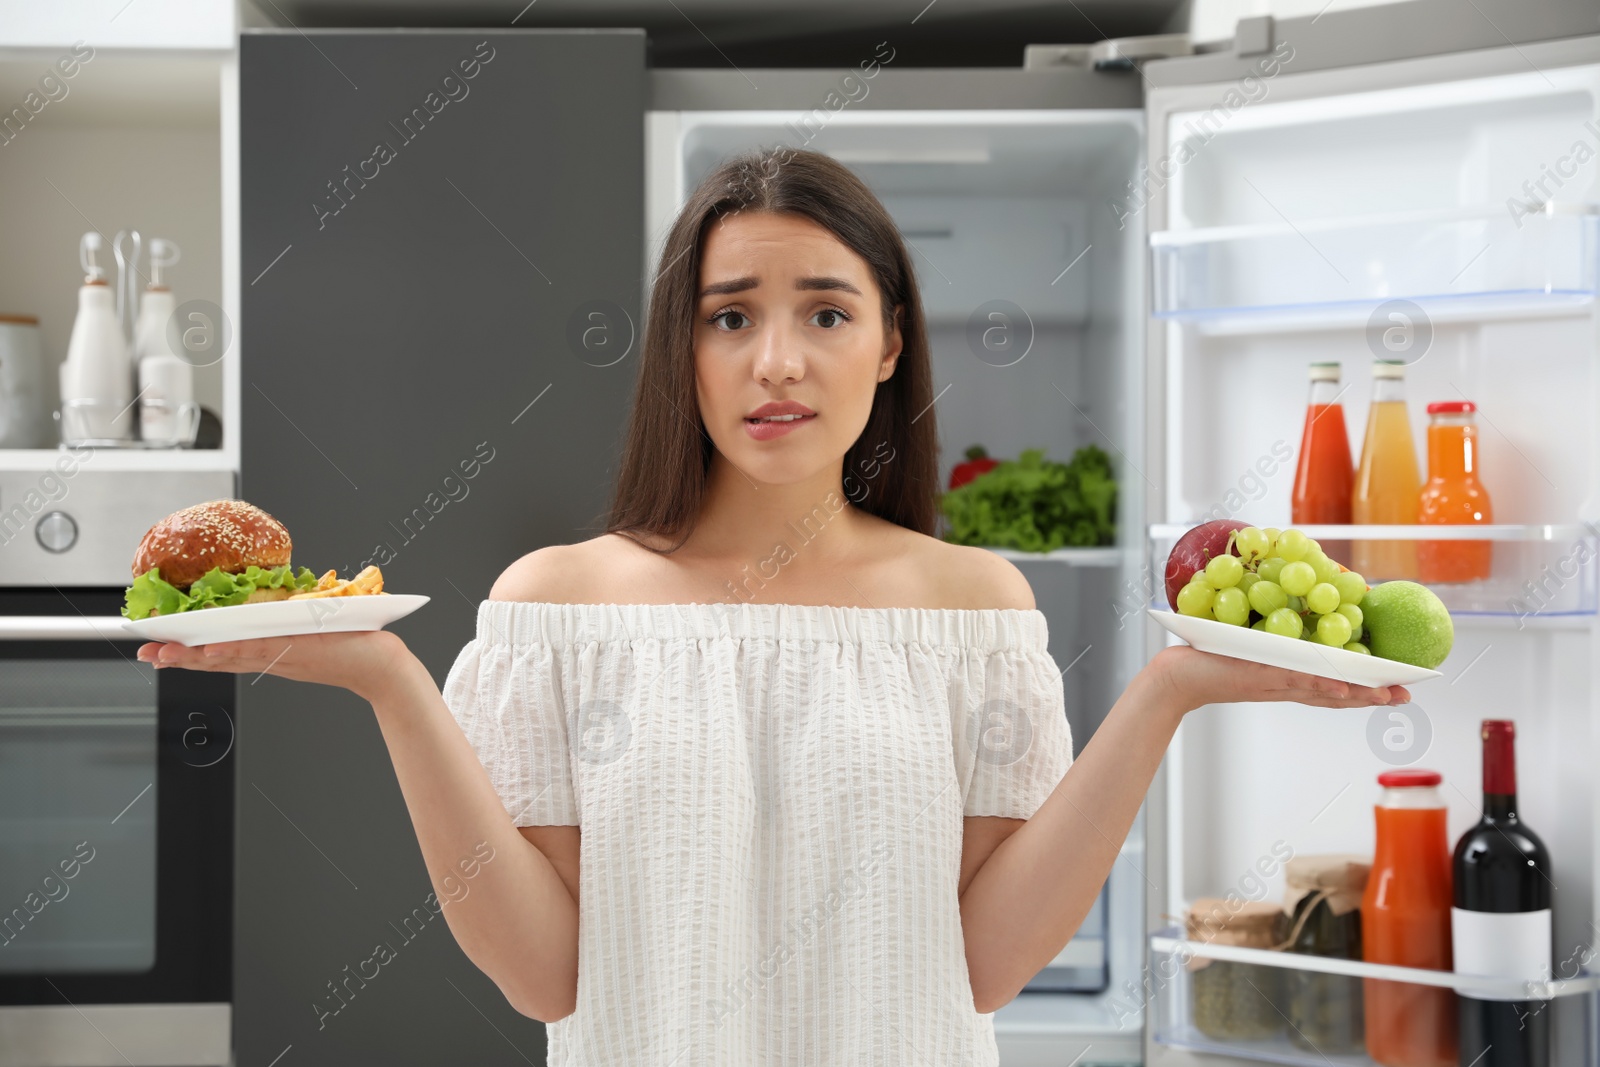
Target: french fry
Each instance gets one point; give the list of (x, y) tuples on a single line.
[(340, 588), (329, 578), (370, 580)]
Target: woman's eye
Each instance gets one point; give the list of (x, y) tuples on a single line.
[(837, 317), (719, 316)]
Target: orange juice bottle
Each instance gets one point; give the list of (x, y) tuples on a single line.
[(1405, 920), (1453, 495), (1387, 484)]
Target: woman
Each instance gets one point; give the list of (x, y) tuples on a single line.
[(818, 756)]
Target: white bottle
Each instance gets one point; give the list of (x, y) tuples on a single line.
[(166, 380), (97, 373)]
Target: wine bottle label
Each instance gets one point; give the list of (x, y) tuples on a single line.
[(1506, 944)]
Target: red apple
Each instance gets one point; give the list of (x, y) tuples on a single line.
[(1194, 550)]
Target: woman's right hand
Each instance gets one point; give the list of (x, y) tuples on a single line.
[(369, 663)]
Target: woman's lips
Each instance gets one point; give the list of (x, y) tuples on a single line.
[(765, 431)]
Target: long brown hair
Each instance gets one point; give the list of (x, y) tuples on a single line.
[(666, 456)]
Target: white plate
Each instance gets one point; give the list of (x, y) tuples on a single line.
[(277, 618), (1293, 654)]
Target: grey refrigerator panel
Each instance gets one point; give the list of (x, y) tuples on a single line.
[(440, 285), (1352, 39), (876, 84)]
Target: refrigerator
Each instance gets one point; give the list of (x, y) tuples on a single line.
[(1140, 255)]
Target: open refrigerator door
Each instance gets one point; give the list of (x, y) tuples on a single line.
[(1443, 214)]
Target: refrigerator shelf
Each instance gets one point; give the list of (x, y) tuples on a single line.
[(1456, 264), (1170, 942), (1547, 532), (1108, 556), (1172, 997), (1538, 571)]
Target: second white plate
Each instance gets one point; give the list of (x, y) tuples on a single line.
[(1241, 642), (277, 618)]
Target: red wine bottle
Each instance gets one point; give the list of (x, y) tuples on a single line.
[(1500, 924)]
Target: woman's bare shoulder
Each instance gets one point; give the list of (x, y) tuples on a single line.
[(568, 574), (966, 578)]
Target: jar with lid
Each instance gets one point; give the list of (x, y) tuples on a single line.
[(1405, 920), (1323, 898), (1236, 1001)]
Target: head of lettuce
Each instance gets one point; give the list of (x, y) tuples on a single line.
[(212, 555)]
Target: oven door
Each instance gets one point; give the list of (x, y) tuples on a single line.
[(116, 843)]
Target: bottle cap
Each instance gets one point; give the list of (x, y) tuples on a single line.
[(1324, 372), (1409, 778), (1499, 760), (1452, 407), (1388, 368)]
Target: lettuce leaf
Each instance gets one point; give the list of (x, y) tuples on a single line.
[(214, 589), (1035, 504)]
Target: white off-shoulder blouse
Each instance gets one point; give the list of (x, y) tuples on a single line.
[(771, 799)]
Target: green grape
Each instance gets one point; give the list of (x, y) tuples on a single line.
[(1357, 646), (1195, 599), (1313, 546), (1297, 604), (1252, 543), (1297, 578), (1327, 570), (1293, 545), (1267, 597), (1322, 599), (1352, 587), (1273, 533), (1247, 580), (1353, 613), (1231, 607), (1224, 572), (1284, 623), (1271, 568), (1333, 630), (1259, 624)]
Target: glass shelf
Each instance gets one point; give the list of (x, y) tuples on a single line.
[(1538, 571), (1172, 1000), (1108, 556), (1455, 264)]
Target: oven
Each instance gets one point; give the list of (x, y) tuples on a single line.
[(116, 795)]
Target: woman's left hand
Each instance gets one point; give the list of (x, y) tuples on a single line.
[(1191, 679)]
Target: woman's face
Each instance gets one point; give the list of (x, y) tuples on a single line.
[(793, 314)]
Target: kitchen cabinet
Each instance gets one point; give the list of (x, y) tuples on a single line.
[(171, 25)]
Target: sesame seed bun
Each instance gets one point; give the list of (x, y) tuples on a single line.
[(230, 534)]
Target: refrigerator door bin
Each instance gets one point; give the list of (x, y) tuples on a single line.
[(1450, 262), (1172, 990), (1538, 571)]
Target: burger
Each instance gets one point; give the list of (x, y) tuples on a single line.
[(216, 554)]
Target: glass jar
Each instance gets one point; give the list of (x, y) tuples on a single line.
[(1324, 900), (1236, 1001)]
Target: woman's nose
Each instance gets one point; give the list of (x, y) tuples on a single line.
[(778, 354)]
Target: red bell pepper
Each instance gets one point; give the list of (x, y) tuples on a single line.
[(978, 462)]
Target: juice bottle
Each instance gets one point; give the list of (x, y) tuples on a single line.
[(1405, 920), (1387, 484), (1453, 495), (1323, 479)]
